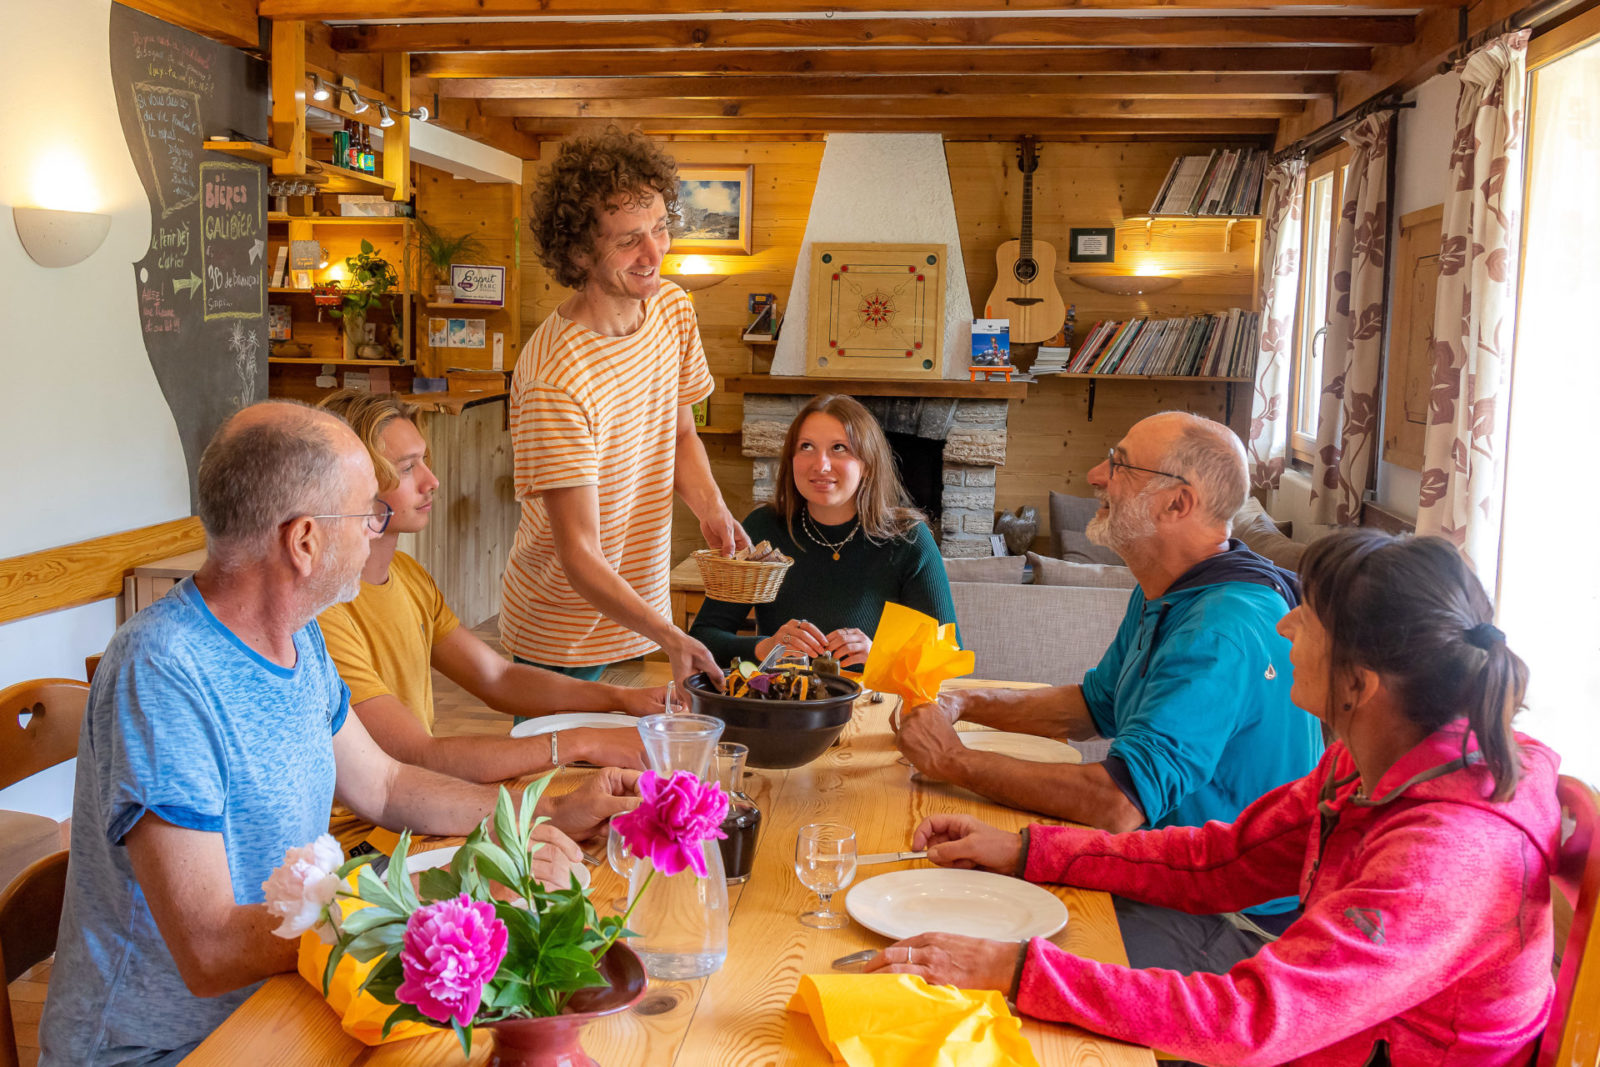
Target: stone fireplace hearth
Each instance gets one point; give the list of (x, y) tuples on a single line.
[(973, 432)]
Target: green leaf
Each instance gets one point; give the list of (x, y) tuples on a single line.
[(439, 883), (505, 829), (364, 919), (399, 880), (333, 962), (366, 247), (353, 862), (372, 890), (530, 800), (384, 979), (464, 1035), (495, 862)]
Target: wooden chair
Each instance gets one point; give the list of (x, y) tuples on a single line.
[(1572, 1038), (39, 723), (30, 914)]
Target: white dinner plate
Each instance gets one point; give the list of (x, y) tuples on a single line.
[(441, 857), (975, 903), (1030, 747), (573, 720)]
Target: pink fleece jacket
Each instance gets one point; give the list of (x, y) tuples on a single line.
[(1426, 925)]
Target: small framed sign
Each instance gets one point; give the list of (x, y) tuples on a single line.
[(1096, 245), (478, 284)]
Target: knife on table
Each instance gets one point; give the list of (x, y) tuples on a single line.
[(889, 857)]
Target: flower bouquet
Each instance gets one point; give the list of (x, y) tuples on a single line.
[(482, 941)]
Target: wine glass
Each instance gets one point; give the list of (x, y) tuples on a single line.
[(825, 860), (622, 860)]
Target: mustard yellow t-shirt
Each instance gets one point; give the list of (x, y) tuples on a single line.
[(382, 643)]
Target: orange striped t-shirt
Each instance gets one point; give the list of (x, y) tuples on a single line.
[(593, 410)]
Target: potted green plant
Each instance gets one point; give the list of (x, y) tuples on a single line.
[(439, 249), (371, 280)]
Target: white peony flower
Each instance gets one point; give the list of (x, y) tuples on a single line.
[(300, 891)]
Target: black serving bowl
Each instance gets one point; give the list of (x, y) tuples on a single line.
[(778, 733)]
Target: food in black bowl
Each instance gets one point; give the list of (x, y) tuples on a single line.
[(779, 733)]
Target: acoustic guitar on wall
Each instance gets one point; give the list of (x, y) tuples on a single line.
[(1026, 292)]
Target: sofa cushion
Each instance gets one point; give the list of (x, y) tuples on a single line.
[(1261, 534), (1075, 545), (1006, 570), (1069, 512), (1047, 571), (1034, 633)]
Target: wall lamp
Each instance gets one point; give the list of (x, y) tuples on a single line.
[(60, 238), (322, 90)]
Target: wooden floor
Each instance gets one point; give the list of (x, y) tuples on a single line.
[(455, 712)]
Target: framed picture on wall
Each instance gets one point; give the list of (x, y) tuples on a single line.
[(715, 204)]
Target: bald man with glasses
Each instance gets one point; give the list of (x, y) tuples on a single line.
[(1194, 689)]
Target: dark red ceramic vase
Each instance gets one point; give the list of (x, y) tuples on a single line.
[(554, 1041)]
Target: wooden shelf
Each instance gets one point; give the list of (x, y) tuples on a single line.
[(341, 220), (719, 429), (481, 308), (1148, 377), (344, 180), (314, 360), (255, 153), (1194, 218), (937, 387), (289, 290)]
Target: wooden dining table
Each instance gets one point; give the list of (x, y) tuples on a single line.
[(739, 1015)]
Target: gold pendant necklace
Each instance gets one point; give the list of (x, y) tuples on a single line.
[(811, 532)]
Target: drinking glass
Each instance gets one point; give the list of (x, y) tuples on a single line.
[(825, 861), (622, 861)]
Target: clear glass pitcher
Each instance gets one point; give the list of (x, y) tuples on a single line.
[(681, 919)]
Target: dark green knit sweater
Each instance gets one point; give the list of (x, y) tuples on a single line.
[(829, 593)]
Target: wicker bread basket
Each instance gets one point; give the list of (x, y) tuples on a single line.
[(740, 581)]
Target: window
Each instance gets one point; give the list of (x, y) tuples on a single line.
[(1549, 580), (1324, 197)]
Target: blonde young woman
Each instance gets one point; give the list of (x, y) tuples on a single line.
[(842, 514)]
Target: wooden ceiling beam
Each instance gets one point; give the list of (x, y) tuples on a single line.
[(867, 61), (1001, 127), (1094, 31), (396, 10), (823, 107), (1130, 86)]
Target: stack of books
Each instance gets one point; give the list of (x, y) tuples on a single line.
[(1050, 360), (1226, 182), (1223, 345)]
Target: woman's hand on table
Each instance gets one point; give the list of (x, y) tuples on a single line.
[(642, 702), (553, 864), (951, 959), (583, 813), (968, 842), (927, 738), (601, 746), (797, 635), (849, 646)]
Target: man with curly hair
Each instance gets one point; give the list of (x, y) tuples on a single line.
[(601, 422)]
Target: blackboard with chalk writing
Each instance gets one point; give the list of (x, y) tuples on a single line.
[(202, 285)]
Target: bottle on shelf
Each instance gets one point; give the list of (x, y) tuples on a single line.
[(341, 146), (353, 160), (369, 161)]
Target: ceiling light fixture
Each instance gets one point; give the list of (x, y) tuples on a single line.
[(384, 118), (319, 88), (358, 103)]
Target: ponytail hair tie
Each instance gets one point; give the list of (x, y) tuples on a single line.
[(1485, 635)]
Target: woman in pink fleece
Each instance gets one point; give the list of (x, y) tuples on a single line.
[(1421, 848)]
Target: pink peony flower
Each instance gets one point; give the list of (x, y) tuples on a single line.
[(300, 891), (452, 948), (675, 816)]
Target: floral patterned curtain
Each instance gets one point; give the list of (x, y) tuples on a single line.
[(1347, 418), (1280, 251), (1474, 317)]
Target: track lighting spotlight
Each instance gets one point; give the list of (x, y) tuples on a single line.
[(358, 103), (384, 118), (420, 113), (319, 88)]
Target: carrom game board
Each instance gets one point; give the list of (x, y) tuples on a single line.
[(877, 311)]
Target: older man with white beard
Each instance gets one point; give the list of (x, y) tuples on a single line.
[(1193, 691), (216, 737)]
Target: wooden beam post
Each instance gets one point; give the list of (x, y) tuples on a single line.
[(397, 138), (288, 78)]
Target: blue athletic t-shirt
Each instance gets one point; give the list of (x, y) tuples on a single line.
[(185, 721)]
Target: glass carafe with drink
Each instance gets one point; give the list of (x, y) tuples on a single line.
[(682, 920), (743, 823)]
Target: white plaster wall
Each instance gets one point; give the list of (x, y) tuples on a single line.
[(90, 447), (887, 189)]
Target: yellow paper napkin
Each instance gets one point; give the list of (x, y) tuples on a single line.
[(912, 655), (898, 1020), (360, 1015)]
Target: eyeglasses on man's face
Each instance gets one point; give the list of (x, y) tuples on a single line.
[(1114, 463), (377, 521)]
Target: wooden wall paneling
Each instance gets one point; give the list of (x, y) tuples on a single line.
[(1410, 355), (65, 577), (229, 21), (492, 211)]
